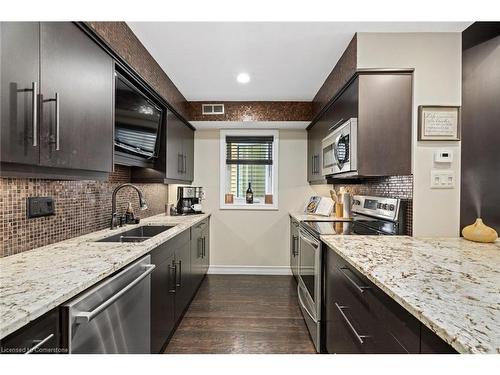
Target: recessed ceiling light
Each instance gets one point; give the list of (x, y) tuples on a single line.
[(243, 78)]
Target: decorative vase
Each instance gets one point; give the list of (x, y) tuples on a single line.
[(479, 232)]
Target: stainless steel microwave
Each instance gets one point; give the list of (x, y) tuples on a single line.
[(339, 150)]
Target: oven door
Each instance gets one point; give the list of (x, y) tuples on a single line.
[(309, 286)]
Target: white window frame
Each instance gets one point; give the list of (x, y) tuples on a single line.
[(223, 168)]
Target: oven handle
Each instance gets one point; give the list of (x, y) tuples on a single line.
[(87, 316), (310, 242), (303, 305)]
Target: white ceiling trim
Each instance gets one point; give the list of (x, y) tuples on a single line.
[(203, 125)]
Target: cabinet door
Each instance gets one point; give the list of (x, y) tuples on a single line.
[(188, 152), (197, 254), (162, 300), (175, 156), (19, 81), (79, 74), (360, 318), (294, 247), (313, 152), (183, 282), (206, 250)]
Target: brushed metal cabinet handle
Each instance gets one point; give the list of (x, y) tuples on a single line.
[(58, 129), (359, 337), (173, 267), (179, 163), (56, 99), (39, 343), (360, 288), (34, 112), (179, 284)]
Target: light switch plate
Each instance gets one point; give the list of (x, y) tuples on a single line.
[(442, 179)]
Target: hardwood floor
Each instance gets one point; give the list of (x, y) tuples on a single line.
[(243, 314)]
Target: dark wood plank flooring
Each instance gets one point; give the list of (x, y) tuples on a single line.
[(243, 314)]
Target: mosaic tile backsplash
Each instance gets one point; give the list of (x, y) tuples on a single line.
[(81, 207), (393, 187)]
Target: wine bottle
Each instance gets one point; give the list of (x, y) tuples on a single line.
[(249, 194)]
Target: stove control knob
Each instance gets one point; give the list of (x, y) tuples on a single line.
[(392, 207), (379, 205), (384, 206)]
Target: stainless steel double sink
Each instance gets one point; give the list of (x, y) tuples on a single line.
[(138, 234)]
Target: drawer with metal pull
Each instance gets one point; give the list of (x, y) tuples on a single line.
[(361, 318), (38, 337)]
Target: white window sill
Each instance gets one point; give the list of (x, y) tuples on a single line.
[(244, 206)]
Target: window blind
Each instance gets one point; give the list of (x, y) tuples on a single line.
[(249, 150)]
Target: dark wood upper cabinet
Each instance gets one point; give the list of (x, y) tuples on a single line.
[(382, 103), (80, 74), (385, 124), (57, 102), (180, 149), (20, 82), (344, 108), (175, 163)]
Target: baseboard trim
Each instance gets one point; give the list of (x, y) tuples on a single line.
[(249, 270)]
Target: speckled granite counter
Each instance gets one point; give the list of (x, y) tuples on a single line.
[(36, 281), (451, 285), (301, 216)]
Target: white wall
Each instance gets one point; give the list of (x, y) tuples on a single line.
[(252, 238), (437, 60)]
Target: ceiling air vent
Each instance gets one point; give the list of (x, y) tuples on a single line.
[(212, 109)]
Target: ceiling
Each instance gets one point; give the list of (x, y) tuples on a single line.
[(286, 61)]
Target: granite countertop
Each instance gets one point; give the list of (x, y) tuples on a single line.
[(450, 284), (301, 216), (34, 282)]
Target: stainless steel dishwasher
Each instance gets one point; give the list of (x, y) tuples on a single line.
[(113, 316)]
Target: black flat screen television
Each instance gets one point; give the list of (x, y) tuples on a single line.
[(137, 121)]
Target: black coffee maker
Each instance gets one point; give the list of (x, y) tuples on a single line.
[(189, 200)]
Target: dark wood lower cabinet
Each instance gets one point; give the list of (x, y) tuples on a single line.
[(181, 263), (361, 318), (430, 343), (42, 336), (162, 298)]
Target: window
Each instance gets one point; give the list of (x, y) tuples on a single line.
[(249, 156)]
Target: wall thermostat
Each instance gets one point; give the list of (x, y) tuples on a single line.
[(443, 156)]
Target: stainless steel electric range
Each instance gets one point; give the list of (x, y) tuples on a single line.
[(371, 216)]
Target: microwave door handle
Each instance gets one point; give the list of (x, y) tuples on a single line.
[(335, 149)]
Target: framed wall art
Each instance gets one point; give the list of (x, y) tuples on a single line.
[(438, 123)]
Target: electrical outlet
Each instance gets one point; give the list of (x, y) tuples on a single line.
[(442, 179), (40, 206)]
